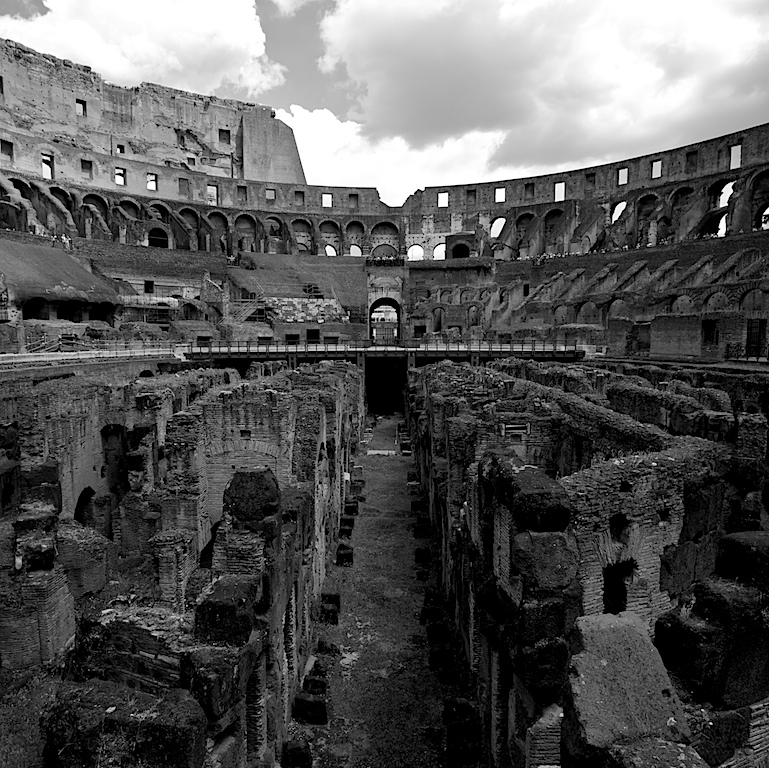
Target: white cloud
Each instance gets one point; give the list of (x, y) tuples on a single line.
[(289, 7), (337, 153), (565, 79), (187, 44)]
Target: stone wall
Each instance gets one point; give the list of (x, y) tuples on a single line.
[(232, 510), (546, 504)]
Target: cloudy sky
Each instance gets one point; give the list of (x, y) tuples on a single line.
[(400, 94)]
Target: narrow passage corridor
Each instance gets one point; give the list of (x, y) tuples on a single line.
[(386, 703)]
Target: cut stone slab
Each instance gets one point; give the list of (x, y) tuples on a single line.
[(250, 497), (618, 692), (656, 753)]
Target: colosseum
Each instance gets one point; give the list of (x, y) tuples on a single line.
[(291, 477)]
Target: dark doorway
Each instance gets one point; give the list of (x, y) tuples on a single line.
[(385, 383), (756, 340), (158, 238), (616, 578), (384, 321), (83, 508), (114, 469)]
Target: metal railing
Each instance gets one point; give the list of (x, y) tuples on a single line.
[(368, 345), (739, 351), (73, 350)]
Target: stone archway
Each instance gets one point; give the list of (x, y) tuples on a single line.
[(384, 320)]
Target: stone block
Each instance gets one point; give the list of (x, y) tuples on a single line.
[(724, 733), (104, 723), (213, 676), (745, 558), (296, 505), (297, 754), (250, 497), (344, 555), (227, 613), (333, 598), (423, 556), (693, 649), (618, 690), (463, 733), (653, 753), (728, 603), (540, 620), (35, 551), (329, 613), (36, 517), (317, 686), (547, 561), (347, 520), (543, 667), (537, 502), (310, 709)]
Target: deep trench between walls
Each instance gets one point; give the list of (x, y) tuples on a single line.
[(388, 657)]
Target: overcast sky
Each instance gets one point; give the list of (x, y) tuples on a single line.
[(400, 94)]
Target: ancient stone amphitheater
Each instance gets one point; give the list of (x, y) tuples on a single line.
[(551, 551)]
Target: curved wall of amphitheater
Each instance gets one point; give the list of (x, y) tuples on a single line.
[(634, 255)]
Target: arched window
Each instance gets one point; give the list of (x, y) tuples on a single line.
[(302, 234), (460, 251), (158, 238), (439, 252), (415, 253), (496, 226), (617, 211)]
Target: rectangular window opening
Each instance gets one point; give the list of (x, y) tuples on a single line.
[(443, 199), (735, 156), (292, 338), (120, 176), (622, 176), (298, 197), (326, 200), (120, 149), (270, 194), (500, 194), (528, 191), (6, 150), (313, 334), (692, 161), (46, 160), (149, 286), (2, 86), (212, 194), (224, 136), (525, 289), (471, 196), (242, 195), (656, 169), (81, 108), (590, 181), (191, 161), (710, 332), (86, 168), (184, 187), (353, 202), (152, 182), (559, 191)]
